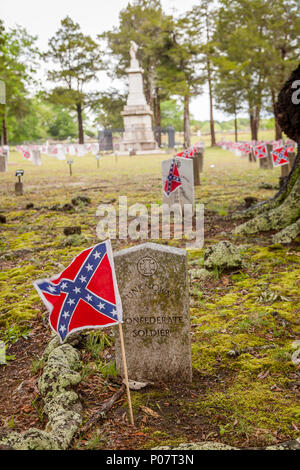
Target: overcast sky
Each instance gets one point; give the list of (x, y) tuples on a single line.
[(42, 18)]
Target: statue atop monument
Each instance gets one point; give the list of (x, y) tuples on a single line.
[(134, 64)]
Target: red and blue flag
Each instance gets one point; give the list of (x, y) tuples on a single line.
[(188, 153), (85, 295), (173, 181), (280, 156), (261, 151)]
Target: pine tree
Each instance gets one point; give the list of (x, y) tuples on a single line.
[(78, 58), (18, 56)]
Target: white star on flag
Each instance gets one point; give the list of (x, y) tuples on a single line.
[(97, 255), (82, 279), (101, 306), (62, 328), (71, 301), (76, 290), (89, 297), (64, 285), (66, 314), (89, 267), (114, 312), (52, 289)]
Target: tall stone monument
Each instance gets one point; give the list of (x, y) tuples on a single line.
[(137, 115)]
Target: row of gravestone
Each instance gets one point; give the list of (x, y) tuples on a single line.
[(266, 163), (4, 155)]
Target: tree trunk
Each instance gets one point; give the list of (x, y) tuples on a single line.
[(209, 79), (278, 131), (254, 122), (148, 79), (158, 115), (4, 131), (80, 123), (235, 128), (187, 128), (211, 106), (280, 213)]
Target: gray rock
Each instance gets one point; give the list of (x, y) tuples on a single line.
[(288, 445), (223, 255), (201, 274), (209, 445), (61, 403)]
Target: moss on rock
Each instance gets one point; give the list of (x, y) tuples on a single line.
[(223, 255), (198, 446), (60, 403)]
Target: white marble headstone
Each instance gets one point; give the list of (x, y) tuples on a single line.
[(185, 194)]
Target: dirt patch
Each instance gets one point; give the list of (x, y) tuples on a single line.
[(20, 406)]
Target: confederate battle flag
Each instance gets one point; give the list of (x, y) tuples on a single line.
[(280, 156), (188, 153), (173, 181), (85, 294), (261, 151)]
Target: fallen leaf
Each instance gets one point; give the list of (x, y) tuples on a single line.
[(149, 412), (263, 374), (295, 427)]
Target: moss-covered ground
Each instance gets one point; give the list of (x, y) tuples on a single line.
[(246, 388)]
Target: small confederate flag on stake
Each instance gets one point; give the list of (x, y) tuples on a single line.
[(173, 181), (85, 294), (280, 156), (261, 151)]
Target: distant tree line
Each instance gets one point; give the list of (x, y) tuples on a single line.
[(242, 51)]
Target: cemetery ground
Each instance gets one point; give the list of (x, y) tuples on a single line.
[(245, 389)]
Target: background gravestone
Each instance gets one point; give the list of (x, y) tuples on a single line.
[(153, 284), (266, 162), (36, 157), (200, 154), (196, 169), (3, 163), (186, 172)]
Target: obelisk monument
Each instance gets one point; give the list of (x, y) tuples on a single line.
[(138, 135)]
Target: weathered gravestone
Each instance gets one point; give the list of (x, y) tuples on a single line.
[(153, 284), (3, 163), (200, 153), (36, 157), (185, 194), (266, 163), (198, 160), (196, 169), (285, 169)]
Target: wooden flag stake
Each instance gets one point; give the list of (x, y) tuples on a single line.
[(126, 373)]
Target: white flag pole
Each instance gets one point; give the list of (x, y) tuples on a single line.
[(126, 373)]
